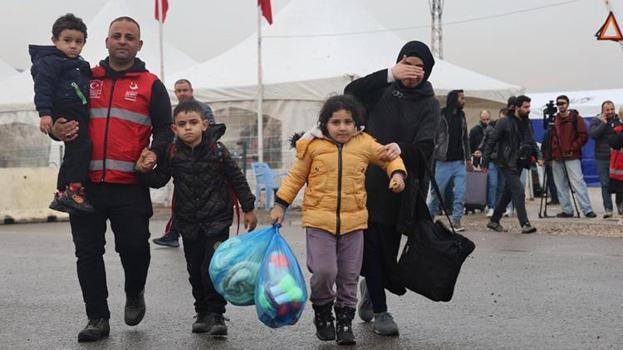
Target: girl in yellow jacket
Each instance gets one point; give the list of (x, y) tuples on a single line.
[(332, 159)]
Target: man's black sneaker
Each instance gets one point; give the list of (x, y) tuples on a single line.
[(95, 330), (590, 215), (75, 199), (495, 226), (527, 228), (169, 239), (134, 309), (215, 325), (564, 215)]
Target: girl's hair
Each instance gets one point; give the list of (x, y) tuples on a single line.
[(337, 103)]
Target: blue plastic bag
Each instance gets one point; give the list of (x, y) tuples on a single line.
[(280, 293), (235, 265)]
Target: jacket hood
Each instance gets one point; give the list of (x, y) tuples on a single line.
[(420, 50), (138, 67), (39, 51), (303, 140), (452, 101)]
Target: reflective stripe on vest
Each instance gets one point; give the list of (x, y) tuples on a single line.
[(123, 114), (112, 164)]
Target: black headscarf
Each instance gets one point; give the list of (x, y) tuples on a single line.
[(421, 50)]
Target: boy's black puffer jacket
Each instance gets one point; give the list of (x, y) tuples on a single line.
[(205, 177)]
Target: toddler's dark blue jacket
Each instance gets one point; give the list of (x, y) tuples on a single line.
[(61, 83)]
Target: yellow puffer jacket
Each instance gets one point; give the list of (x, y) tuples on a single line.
[(335, 198)]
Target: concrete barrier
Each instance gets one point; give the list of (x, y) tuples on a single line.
[(26, 194)]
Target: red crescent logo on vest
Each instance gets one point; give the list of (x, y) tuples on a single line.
[(133, 85), (95, 88)]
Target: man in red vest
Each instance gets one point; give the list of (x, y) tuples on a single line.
[(128, 105)]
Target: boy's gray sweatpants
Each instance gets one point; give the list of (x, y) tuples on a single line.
[(334, 261)]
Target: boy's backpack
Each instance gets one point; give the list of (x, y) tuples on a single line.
[(232, 195)]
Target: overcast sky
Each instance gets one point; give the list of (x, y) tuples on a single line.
[(543, 45)]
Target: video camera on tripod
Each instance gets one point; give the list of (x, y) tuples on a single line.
[(549, 114)]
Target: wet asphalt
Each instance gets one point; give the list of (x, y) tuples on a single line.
[(515, 291)]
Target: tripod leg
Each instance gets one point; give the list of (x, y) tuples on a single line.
[(544, 196)]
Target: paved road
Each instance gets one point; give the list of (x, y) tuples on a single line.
[(515, 292)]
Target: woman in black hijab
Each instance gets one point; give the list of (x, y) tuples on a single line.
[(401, 112)]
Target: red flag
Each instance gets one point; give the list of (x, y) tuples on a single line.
[(165, 8), (267, 12)]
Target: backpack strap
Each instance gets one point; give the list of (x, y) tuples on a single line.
[(232, 194)]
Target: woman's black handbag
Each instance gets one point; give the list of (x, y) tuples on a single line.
[(432, 257)]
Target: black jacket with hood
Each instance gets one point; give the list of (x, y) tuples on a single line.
[(443, 133), (409, 117), (205, 177)]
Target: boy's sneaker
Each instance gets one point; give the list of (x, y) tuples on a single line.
[(608, 214), (56, 205), (490, 212), (495, 226), (73, 197), (200, 325), (564, 215), (95, 330), (590, 215), (169, 239), (527, 228), (215, 325)]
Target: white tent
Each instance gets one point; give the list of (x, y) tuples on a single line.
[(312, 50), (95, 50), (6, 70), (322, 40), (16, 92), (587, 102)]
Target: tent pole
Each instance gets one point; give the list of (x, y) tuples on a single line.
[(260, 89), (160, 21)]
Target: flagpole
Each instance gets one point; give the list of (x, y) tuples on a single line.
[(260, 90), (160, 25)]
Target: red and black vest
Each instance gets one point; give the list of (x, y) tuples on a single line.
[(616, 159), (120, 125)]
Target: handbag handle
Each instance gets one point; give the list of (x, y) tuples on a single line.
[(438, 193)]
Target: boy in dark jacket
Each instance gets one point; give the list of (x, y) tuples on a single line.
[(61, 80), (205, 177)]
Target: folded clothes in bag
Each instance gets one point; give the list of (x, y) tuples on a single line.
[(235, 265)]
